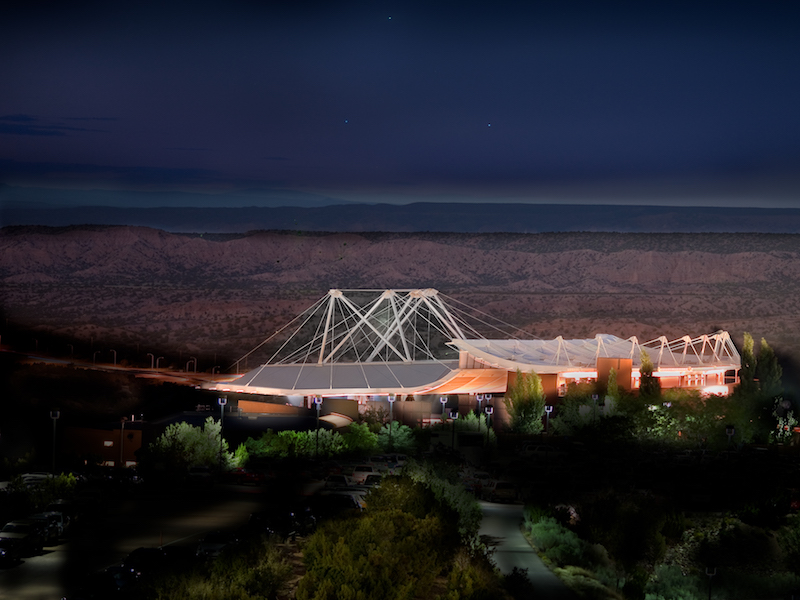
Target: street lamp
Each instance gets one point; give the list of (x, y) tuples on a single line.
[(122, 441), (443, 400), (391, 398), (115, 356), (191, 360), (548, 408), (152, 360), (489, 410), (158, 360), (54, 414), (222, 401), (94, 356), (730, 430), (318, 404), (454, 416)]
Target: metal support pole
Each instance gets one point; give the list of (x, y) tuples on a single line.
[(54, 415)]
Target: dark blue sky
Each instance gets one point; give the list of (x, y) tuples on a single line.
[(399, 101)]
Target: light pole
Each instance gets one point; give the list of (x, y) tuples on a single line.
[(94, 356), (191, 360), (122, 441), (479, 398), (489, 410), (115, 356), (730, 430), (391, 398), (152, 360), (443, 400), (318, 404), (158, 360), (548, 408), (54, 415), (454, 416), (222, 401)]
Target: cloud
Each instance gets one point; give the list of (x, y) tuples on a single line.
[(21, 124)]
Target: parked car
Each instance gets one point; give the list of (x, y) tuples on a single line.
[(242, 476), (542, 451), (214, 543), (360, 473), (337, 481), (30, 534), (10, 551), (50, 526), (501, 491)]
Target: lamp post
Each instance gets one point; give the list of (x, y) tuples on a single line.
[(191, 360), (54, 415), (152, 360), (115, 356), (548, 408), (391, 398), (454, 417), (94, 356), (489, 410), (730, 430), (318, 405), (122, 441), (158, 360), (222, 401), (443, 400)]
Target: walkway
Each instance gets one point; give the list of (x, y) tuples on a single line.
[(501, 525)]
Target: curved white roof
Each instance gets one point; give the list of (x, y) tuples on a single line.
[(711, 351)]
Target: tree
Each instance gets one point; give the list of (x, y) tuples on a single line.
[(747, 372), (182, 446), (649, 385), (768, 371), (525, 402)]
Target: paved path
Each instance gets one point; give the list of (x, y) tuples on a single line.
[(501, 526)]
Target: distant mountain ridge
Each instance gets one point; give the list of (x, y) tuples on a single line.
[(421, 217)]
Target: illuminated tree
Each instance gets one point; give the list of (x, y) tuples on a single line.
[(183, 445), (768, 371), (525, 401), (649, 385), (747, 372)]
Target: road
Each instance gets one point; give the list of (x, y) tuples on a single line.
[(501, 528), (105, 539)]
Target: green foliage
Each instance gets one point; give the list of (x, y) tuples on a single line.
[(377, 555), (401, 439), (649, 385), (359, 439), (240, 456), (43, 493), (612, 387), (296, 444), (669, 583), (768, 371), (576, 411), (183, 445), (557, 543), (785, 422), (525, 402), (259, 572), (449, 491), (789, 538)]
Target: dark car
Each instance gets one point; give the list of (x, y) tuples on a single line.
[(10, 551), (29, 534), (50, 523)]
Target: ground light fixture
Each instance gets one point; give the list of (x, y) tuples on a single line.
[(454, 417), (489, 410), (318, 405), (548, 408), (222, 401), (391, 398)]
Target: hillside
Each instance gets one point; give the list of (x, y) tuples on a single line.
[(141, 290)]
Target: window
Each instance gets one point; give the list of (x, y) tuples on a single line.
[(108, 443)]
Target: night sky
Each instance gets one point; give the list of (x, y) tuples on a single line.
[(670, 103)]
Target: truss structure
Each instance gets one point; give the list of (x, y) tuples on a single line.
[(364, 326), (705, 352)]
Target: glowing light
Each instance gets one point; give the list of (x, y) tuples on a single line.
[(715, 389), (579, 375)]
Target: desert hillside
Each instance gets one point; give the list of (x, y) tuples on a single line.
[(215, 297)]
